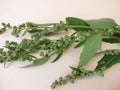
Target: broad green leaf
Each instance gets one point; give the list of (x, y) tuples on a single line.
[(58, 56), (80, 44), (112, 40), (108, 61), (102, 23), (77, 22), (38, 62), (92, 45)]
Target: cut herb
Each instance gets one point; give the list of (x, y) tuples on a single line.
[(89, 33)]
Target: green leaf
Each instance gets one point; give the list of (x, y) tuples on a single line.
[(24, 32), (80, 44), (103, 23), (108, 61), (10, 48), (104, 60), (92, 45), (58, 56), (38, 62), (77, 22), (112, 40), (117, 35)]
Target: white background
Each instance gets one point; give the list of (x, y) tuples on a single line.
[(43, 11)]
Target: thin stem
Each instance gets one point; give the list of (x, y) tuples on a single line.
[(44, 27), (47, 24), (78, 26), (101, 52)]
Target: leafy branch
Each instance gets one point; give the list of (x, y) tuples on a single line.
[(90, 33)]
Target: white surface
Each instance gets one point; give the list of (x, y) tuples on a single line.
[(42, 11)]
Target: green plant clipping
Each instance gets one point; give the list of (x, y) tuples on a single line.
[(88, 33), (92, 45)]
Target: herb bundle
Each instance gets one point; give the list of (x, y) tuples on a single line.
[(90, 33)]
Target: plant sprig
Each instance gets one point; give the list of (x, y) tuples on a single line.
[(75, 74), (90, 33)]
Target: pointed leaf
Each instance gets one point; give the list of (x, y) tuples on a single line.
[(80, 44), (92, 45), (108, 61), (38, 62), (58, 56), (115, 60), (77, 21), (112, 40), (104, 60), (102, 23)]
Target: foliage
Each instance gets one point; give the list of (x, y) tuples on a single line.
[(87, 33)]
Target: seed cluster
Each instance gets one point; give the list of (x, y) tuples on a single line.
[(112, 52), (76, 73)]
